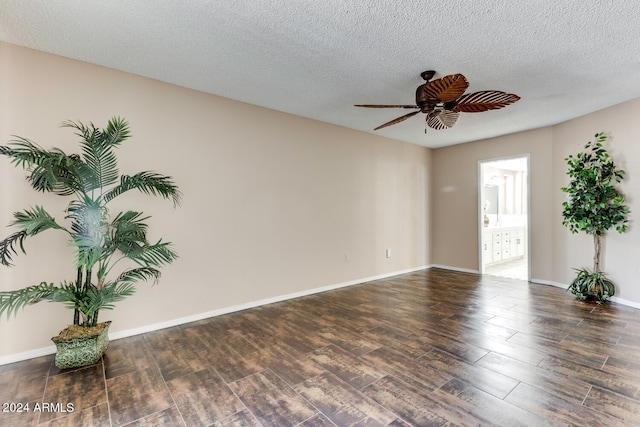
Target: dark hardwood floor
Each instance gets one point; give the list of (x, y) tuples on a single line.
[(433, 347)]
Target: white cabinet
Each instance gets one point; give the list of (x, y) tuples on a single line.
[(487, 247), (503, 244), (497, 246)]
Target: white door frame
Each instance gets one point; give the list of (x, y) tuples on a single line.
[(481, 211)]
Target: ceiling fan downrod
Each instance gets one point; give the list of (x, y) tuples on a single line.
[(427, 75)]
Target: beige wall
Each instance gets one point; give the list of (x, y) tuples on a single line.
[(620, 254), (455, 198), (273, 203), (554, 250)]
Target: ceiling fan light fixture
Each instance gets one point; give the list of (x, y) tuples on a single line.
[(443, 99)]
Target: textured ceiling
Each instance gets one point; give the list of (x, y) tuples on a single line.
[(315, 59)]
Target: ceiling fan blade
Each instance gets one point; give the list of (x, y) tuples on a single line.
[(385, 106), (442, 119), (484, 101), (398, 120), (446, 88)]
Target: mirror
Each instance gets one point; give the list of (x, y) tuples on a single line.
[(504, 192)]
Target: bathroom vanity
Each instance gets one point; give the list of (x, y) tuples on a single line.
[(501, 244)]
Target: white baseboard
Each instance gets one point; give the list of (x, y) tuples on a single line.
[(17, 357), (462, 270), (542, 282), (617, 300), (626, 302), (31, 354)]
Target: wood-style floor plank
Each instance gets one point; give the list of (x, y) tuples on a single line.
[(168, 417), (342, 403), (492, 382), (414, 405), (428, 348), (203, 398), (562, 411), (407, 369), (627, 386), (612, 403), (552, 382), (97, 415), (24, 382), (491, 410), (83, 388), (137, 395), (271, 400), (354, 371)]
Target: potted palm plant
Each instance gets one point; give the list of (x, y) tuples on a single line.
[(100, 240), (594, 206)]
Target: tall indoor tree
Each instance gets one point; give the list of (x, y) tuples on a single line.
[(100, 240), (594, 206)]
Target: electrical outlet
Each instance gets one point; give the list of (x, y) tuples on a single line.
[(388, 253)]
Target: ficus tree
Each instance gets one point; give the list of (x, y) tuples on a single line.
[(593, 207)]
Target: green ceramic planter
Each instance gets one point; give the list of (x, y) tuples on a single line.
[(84, 351)]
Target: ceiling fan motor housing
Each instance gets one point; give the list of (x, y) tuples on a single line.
[(425, 104)]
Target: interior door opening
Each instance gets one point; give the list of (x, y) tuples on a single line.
[(503, 217)]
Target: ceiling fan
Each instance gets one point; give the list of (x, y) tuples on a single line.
[(443, 99)]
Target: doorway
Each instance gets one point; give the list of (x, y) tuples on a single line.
[(504, 217)]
